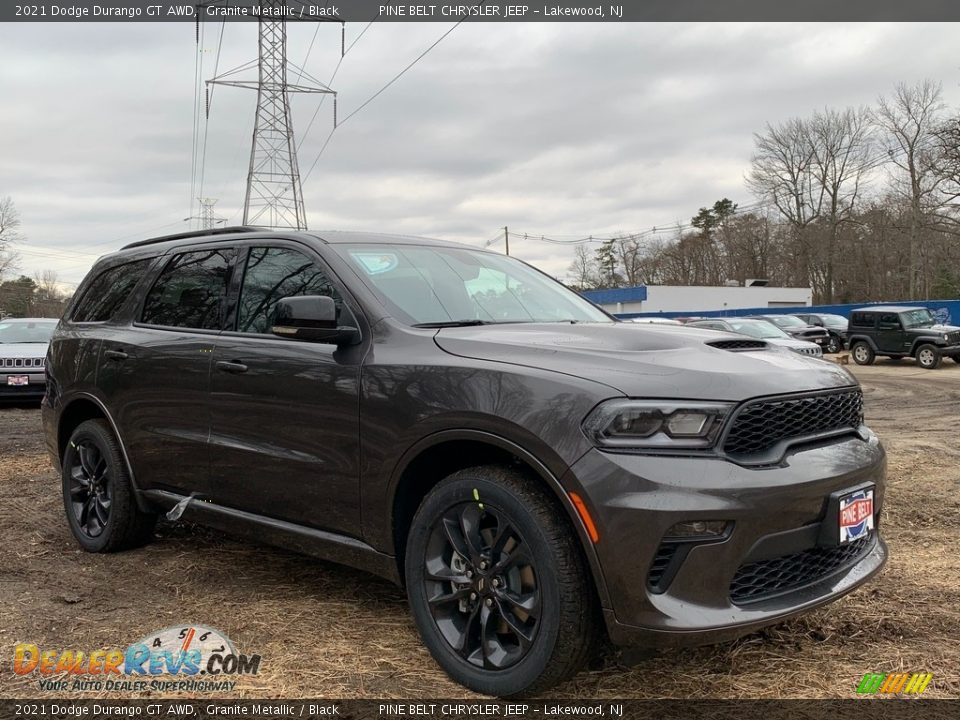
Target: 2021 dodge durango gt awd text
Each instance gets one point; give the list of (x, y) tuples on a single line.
[(535, 474)]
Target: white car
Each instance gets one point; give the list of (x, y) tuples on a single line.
[(23, 351), (656, 321), (761, 330)]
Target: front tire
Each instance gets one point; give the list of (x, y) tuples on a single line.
[(863, 354), (498, 585), (928, 357), (97, 492), (834, 344)]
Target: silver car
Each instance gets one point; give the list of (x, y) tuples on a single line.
[(23, 349), (761, 330)]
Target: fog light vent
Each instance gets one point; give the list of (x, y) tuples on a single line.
[(697, 529)]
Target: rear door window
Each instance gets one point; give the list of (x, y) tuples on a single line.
[(191, 291), (108, 291)]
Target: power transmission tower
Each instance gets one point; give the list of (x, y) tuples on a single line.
[(274, 197), (207, 219)]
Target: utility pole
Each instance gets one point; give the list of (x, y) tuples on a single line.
[(274, 197), (506, 238)]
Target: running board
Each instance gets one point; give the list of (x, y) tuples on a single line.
[(329, 546)]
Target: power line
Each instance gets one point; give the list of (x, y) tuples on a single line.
[(209, 98), (377, 94), (333, 77)]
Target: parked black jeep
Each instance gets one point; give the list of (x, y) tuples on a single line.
[(898, 332)]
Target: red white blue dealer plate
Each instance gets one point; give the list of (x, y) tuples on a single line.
[(856, 515)]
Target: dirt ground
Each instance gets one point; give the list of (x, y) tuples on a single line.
[(326, 631)]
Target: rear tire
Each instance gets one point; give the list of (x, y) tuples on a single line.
[(862, 353), (928, 357), (521, 615), (97, 493)]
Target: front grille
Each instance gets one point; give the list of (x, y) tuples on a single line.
[(767, 578), (953, 337), (16, 363), (738, 344), (761, 424), (661, 562)]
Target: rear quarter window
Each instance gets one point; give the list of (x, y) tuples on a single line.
[(108, 291), (863, 320)]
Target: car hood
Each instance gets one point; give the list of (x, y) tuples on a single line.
[(647, 360), (936, 329), (791, 343), (23, 350)]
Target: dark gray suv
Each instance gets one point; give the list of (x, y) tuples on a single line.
[(536, 474)]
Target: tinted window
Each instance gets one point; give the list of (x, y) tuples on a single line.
[(106, 293), (190, 291), (889, 319), (273, 274), (861, 319)]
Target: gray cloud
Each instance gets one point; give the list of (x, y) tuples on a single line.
[(561, 129)]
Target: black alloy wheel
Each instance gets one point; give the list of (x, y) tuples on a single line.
[(498, 583), (90, 489), (98, 495), (834, 344), (482, 586)]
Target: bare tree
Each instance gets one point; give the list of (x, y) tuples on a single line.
[(9, 233), (909, 121), (584, 273), (841, 144), (782, 174)]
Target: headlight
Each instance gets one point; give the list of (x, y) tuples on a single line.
[(656, 424), (945, 337)]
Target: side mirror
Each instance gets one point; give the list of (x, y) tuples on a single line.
[(312, 318)]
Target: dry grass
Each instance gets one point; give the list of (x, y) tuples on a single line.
[(327, 631)]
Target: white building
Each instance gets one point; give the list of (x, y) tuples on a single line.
[(694, 299)]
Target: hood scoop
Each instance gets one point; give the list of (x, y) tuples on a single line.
[(739, 345)]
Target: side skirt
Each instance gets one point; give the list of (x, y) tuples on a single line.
[(335, 548)]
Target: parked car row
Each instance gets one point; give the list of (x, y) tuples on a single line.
[(891, 331)]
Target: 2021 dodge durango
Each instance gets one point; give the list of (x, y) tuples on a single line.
[(536, 474)]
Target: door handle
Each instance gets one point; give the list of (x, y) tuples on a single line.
[(117, 355), (231, 367)]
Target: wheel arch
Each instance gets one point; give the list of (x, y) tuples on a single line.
[(862, 338), (79, 409), (920, 341), (435, 457)]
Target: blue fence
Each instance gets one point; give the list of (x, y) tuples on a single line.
[(947, 312)]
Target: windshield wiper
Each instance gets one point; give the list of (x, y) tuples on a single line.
[(453, 323)]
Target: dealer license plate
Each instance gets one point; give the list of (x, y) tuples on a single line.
[(18, 379), (856, 515)]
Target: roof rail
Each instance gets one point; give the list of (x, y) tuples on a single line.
[(194, 233)]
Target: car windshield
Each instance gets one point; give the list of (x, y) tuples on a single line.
[(26, 331), (447, 286), (917, 318), (757, 329), (786, 321)]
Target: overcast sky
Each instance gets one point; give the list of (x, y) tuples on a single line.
[(558, 129)]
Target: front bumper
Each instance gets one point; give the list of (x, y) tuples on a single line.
[(775, 513), (34, 390), (950, 351)]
